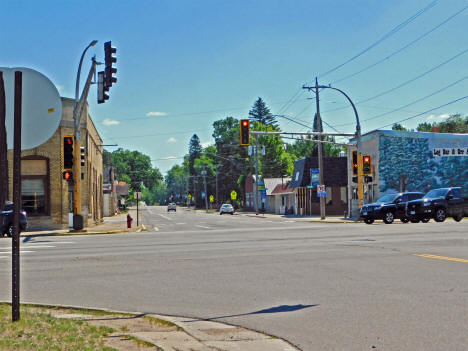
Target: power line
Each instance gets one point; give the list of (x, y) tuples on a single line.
[(412, 102), (425, 112), (157, 134), (404, 83), (402, 48), (384, 37)]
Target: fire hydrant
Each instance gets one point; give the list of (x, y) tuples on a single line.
[(129, 221)]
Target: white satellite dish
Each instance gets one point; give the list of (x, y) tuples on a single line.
[(41, 107)]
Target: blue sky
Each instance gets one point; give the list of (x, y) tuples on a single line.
[(184, 64)]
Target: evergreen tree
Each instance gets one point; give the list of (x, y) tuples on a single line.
[(262, 114), (195, 151), (398, 126)]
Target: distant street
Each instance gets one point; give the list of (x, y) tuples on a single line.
[(320, 286)]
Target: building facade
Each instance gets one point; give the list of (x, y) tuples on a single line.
[(46, 197), (410, 161)]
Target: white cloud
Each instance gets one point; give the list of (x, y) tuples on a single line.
[(156, 113), (430, 117), (206, 144), (171, 140), (110, 122), (170, 158), (439, 117), (444, 116), (60, 88)]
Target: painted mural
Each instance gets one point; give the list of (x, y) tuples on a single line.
[(410, 161)]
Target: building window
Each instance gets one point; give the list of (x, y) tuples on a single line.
[(33, 196), (343, 195), (34, 186), (328, 200)]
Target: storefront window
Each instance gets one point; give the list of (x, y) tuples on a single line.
[(344, 196), (328, 200)]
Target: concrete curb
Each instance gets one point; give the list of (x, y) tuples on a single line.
[(71, 233), (195, 333)]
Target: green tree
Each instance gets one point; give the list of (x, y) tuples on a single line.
[(454, 124), (424, 127), (398, 126), (261, 113), (176, 182)]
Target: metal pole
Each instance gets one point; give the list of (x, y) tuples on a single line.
[(206, 194), (320, 151), (15, 243), (217, 184), (256, 175), (77, 87), (137, 207), (3, 146)]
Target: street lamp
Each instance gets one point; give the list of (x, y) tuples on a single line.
[(79, 71)]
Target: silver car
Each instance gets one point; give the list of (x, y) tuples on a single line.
[(172, 207), (226, 208)]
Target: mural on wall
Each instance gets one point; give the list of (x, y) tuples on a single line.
[(410, 164)]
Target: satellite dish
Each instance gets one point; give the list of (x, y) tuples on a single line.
[(41, 107)]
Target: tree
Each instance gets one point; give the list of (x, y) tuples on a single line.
[(262, 114), (454, 124), (424, 127), (398, 126), (135, 168)]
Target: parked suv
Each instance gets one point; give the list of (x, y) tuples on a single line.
[(439, 204), (389, 207), (6, 220)]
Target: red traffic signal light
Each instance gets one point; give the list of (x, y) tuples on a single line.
[(245, 132), (67, 175), (68, 156), (355, 164), (366, 165)]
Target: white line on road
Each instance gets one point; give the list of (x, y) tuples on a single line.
[(201, 226), (181, 223), (166, 217)]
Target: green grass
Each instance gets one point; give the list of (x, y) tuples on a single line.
[(38, 330)]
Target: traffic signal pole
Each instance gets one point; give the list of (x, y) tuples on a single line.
[(77, 114)]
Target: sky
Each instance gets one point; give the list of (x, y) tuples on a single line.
[(184, 64)]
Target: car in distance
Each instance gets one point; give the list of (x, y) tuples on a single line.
[(6, 220), (389, 207), (439, 204), (171, 207), (226, 208)]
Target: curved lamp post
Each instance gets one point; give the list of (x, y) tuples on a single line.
[(77, 88)]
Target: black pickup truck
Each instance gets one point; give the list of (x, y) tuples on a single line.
[(389, 207), (439, 204), (6, 220)]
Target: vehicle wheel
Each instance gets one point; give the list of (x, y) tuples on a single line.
[(404, 219), (232, 213), (458, 218), (220, 213), (440, 215), (425, 219), (368, 221), (414, 220), (10, 231), (388, 218)]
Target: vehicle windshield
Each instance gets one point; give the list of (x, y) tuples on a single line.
[(436, 193), (387, 198), (227, 206)]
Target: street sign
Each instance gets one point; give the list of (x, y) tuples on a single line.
[(321, 192), (41, 107), (233, 195), (263, 194), (203, 195), (211, 198), (314, 176), (137, 195)]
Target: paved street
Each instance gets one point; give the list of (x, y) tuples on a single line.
[(320, 286)]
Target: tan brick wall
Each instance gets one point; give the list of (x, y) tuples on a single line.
[(59, 200)]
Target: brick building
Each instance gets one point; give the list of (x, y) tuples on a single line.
[(46, 197)]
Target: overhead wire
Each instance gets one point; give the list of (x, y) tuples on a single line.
[(412, 102), (402, 48), (425, 112), (404, 83), (383, 38)]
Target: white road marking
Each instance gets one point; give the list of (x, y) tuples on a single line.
[(166, 217), (200, 226), (181, 223)]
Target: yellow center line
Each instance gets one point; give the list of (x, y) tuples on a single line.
[(442, 258)]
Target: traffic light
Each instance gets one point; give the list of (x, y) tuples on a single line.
[(82, 155), (67, 175), (245, 132), (102, 94), (109, 60), (368, 179), (366, 165), (67, 146), (355, 164)]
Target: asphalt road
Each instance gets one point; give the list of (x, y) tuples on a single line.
[(320, 286)]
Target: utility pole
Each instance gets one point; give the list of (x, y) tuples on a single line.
[(217, 184), (319, 146), (3, 146), (256, 175)]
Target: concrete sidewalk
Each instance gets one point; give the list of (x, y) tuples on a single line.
[(110, 225)]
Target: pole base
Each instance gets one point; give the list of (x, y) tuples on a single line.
[(77, 222)]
